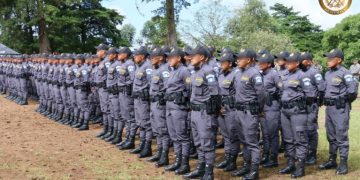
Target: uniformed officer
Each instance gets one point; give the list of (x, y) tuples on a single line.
[(226, 119), (294, 116), (126, 72), (111, 86), (160, 74), (270, 123), (340, 92), (82, 88), (177, 97), (205, 105), (280, 65), (142, 101), (100, 73), (249, 98), (314, 95)]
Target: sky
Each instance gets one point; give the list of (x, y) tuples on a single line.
[(138, 16)]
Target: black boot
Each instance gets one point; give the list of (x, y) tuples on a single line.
[(232, 163), (113, 135), (311, 158), (70, 121), (164, 159), (146, 152), (343, 167), (103, 132), (300, 169), (74, 122), (209, 173), (185, 167), (129, 143), (289, 168), (273, 162), (139, 148), (265, 158), (117, 138), (123, 142), (193, 152), (156, 157), (244, 170), (108, 133), (224, 163), (85, 125), (330, 164), (79, 123), (253, 174), (197, 173), (175, 165)]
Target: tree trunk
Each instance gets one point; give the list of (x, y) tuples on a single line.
[(44, 43), (170, 23)]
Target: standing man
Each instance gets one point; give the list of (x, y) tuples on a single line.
[(340, 92), (355, 69), (126, 72), (142, 101), (205, 104), (249, 98), (226, 119), (314, 95), (270, 122)]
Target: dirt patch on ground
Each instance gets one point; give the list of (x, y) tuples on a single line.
[(34, 147)]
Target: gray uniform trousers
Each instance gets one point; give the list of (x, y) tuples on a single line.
[(270, 125), (115, 112), (127, 113), (83, 104), (248, 135), (72, 100), (158, 124), (337, 127), (229, 131), (23, 88), (177, 124), (142, 117), (104, 106), (203, 127), (64, 96), (58, 99), (312, 126), (294, 125)]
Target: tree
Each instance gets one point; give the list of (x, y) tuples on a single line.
[(208, 25), (249, 19), (304, 34), (154, 32), (170, 9), (58, 25), (346, 36), (127, 34)]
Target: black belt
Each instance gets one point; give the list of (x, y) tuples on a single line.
[(311, 100), (198, 107), (156, 98), (101, 85), (228, 100), (293, 103)]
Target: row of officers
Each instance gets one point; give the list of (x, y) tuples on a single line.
[(184, 97)]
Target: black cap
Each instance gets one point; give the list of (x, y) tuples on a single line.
[(335, 53), (187, 50), (266, 57), (157, 52), (112, 50), (226, 50), (141, 51), (282, 55), (101, 47), (262, 51), (306, 56), (176, 52), (201, 50), (211, 49), (245, 53), (227, 56), (293, 57), (79, 56), (125, 50), (166, 49)]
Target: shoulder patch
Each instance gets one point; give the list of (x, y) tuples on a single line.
[(210, 78), (131, 68), (348, 78), (258, 79), (165, 74), (148, 71), (318, 77), (306, 81)]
